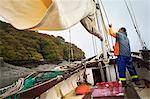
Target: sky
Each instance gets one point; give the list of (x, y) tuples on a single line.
[(119, 17)]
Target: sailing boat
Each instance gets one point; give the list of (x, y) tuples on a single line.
[(59, 15)]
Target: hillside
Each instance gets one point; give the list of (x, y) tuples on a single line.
[(16, 45)]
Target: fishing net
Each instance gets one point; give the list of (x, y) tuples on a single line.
[(32, 80)]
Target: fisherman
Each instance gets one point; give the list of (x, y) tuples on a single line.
[(123, 53)]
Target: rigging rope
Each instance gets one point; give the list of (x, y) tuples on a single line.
[(144, 47), (105, 30), (132, 15), (104, 11), (108, 22)]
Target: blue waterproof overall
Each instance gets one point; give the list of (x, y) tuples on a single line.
[(124, 62), (124, 59)]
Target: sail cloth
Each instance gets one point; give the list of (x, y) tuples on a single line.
[(49, 14)]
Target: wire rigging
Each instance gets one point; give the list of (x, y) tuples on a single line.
[(133, 18), (71, 56), (145, 47)]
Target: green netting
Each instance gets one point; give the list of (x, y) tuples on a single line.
[(31, 81), (41, 77)]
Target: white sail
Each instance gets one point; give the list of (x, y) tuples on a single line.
[(49, 14)]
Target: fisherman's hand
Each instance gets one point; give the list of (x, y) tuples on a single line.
[(110, 25)]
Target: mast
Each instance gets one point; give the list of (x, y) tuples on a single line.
[(104, 44)]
